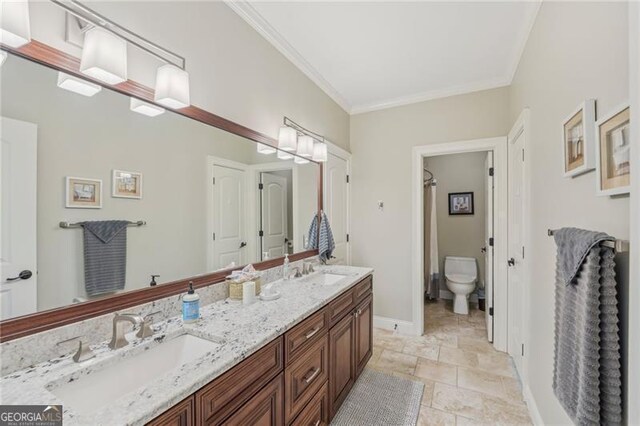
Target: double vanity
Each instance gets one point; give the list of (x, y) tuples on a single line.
[(289, 361)]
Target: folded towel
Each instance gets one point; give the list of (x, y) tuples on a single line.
[(323, 240), (586, 370), (105, 256)]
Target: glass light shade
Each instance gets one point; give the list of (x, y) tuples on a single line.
[(319, 152), (300, 160), (145, 108), (287, 138), (172, 87), (305, 146), (265, 149), (104, 56), (15, 29), (77, 85), (3, 57), (284, 155)]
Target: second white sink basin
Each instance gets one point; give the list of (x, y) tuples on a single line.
[(328, 279), (89, 393)]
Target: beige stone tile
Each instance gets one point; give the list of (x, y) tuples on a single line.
[(463, 421), (395, 361), (431, 417), (500, 412), (462, 402), (481, 381), (427, 393), (473, 344), (395, 342), (458, 357), (422, 349), (436, 371), (512, 389), (375, 354), (496, 362), (442, 339)]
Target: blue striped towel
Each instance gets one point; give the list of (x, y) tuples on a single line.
[(323, 240)]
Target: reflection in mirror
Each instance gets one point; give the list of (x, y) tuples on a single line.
[(145, 192)]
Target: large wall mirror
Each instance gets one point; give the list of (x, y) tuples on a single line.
[(199, 199)]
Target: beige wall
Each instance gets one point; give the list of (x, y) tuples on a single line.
[(576, 51), (460, 235), (381, 144), (235, 72)]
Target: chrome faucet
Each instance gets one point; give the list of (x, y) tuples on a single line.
[(118, 340), (297, 273)]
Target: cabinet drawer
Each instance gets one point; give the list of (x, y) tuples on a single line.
[(316, 413), (224, 395), (362, 289), (264, 409), (299, 338), (181, 414), (340, 307), (305, 376)]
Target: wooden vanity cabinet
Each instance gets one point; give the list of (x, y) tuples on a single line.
[(364, 333), (181, 414)]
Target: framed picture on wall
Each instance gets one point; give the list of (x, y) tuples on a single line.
[(460, 203), (612, 148), (82, 193), (578, 136), (126, 184)]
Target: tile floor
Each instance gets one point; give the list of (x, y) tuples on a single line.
[(466, 380)]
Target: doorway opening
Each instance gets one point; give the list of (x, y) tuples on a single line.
[(275, 224)]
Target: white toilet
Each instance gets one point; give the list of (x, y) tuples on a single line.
[(460, 275)]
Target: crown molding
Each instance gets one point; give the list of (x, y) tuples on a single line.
[(251, 16)]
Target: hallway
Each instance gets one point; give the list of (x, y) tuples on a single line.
[(466, 380)]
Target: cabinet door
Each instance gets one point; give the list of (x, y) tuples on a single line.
[(264, 409), (342, 368), (181, 414), (364, 333), (316, 412)]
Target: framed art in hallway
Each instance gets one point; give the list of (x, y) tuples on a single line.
[(126, 184), (578, 134), (612, 148), (82, 193), (460, 203)]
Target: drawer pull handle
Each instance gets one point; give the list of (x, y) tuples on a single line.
[(312, 333), (312, 376), (359, 312)]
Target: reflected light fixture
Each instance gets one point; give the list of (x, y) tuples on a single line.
[(172, 87), (3, 57), (77, 85), (305, 146), (104, 56), (145, 108), (287, 138), (319, 152), (284, 155), (300, 160), (15, 29), (265, 149)]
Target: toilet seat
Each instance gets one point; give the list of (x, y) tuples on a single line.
[(461, 278)]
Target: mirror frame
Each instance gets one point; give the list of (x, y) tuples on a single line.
[(37, 322)]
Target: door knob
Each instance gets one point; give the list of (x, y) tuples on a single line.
[(24, 275), (511, 262), (242, 244)]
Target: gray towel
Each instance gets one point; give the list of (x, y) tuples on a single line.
[(323, 240), (105, 256), (586, 373)]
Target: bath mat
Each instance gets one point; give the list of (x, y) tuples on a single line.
[(380, 399)]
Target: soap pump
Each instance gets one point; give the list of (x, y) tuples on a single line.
[(153, 280), (285, 267), (190, 305)]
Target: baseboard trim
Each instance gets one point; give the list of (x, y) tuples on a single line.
[(400, 326), (536, 418)]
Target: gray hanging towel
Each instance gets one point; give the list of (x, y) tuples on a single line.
[(105, 256), (322, 240), (586, 370)]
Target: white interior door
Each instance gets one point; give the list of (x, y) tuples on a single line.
[(515, 332), (229, 244), (273, 214), (488, 246), (336, 205), (18, 157)]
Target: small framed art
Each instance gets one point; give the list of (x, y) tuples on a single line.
[(578, 136), (82, 193), (460, 203), (612, 151), (126, 184)]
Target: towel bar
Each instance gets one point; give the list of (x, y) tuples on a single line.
[(67, 225), (620, 246)]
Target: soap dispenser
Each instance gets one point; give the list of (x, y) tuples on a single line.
[(153, 280), (285, 267), (190, 305)]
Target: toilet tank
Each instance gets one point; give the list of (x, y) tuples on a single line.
[(461, 265)]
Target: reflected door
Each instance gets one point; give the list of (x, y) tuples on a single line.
[(273, 215), (18, 291), (336, 205), (488, 246), (228, 216)]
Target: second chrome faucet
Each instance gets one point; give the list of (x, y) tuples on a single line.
[(118, 339)]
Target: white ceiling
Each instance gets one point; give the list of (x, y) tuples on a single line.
[(374, 55)]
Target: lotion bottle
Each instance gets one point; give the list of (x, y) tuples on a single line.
[(285, 267), (190, 305)]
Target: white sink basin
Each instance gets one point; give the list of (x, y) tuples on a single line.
[(328, 279), (89, 393)]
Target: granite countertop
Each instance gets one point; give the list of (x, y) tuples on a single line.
[(242, 330)]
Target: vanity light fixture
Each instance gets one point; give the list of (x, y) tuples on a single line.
[(265, 149), (319, 152), (305, 146), (300, 160), (15, 28), (287, 138), (104, 56), (145, 108), (77, 85), (3, 57), (284, 155), (172, 87)]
